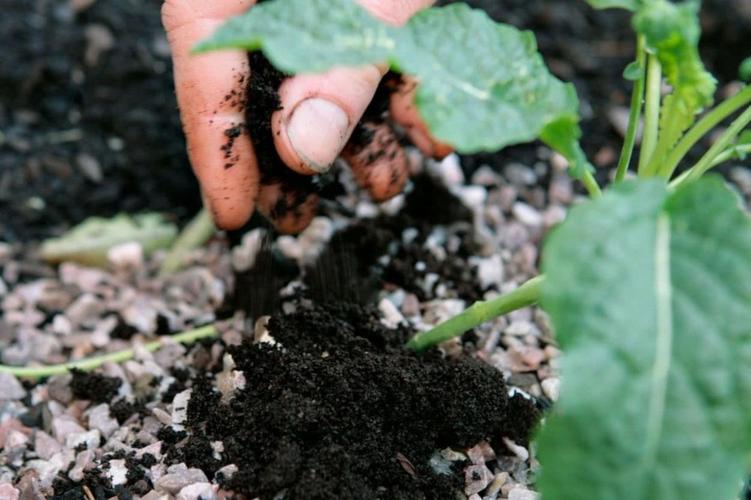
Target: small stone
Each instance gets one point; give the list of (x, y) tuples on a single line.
[(476, 479), (45, 445), (8, 492), (84, 310), (551, 387), (244, 255), (495, 486), (117, 472), (90, 439), (15, 444), (522, 493), (10, 387), (180, 407), (141, 315), (411, 305), (472, 196), (489, 270), (450, 170), (63, 426), (391, 315), (226, 472), (83, 462), (481, 453), (485, 176), (197, 491), (520, 174), (126, 256), (100, 419), (89, 166), (526, 214), (519, 451), (178, 477)]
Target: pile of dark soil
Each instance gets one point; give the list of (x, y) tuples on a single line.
[(339, 409)]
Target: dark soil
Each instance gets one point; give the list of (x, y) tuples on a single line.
[(340, 410), (93, 386)]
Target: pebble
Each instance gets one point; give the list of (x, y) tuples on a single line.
[(391, 315), (83, 462), (449, 170), (526, 214), (472, 196), (476, 479), (522, 493), (481, 453), (84, 309), (180, 407), (519, 451), (100, 419), (8, 492), (63, 426), (90, 438), (411, 305), (45, 445), (485, 176), (10, 387), (117, 472), (489, 270), (178, 477), (244, 255), (126, 256), (520, 174), (197, 491), (551, 387), (495, 486), (89, 167)]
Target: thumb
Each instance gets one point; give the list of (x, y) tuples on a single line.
[(320, 111)]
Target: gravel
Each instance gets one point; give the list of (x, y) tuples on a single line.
[(72, 312)]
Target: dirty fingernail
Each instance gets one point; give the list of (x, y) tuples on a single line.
[(318, 131)]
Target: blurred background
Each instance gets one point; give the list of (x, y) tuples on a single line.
[(89, 125)]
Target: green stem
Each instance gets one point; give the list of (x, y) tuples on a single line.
[(590, 183), (651, 114), (188, 337), (198, 231), (637, 97), (706, 162), (702, 127), (726, 155), (480, 312)]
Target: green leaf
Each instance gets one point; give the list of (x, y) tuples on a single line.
[(89, 242), (672, 32), (483, 85), (633, 71), (307, 36), (607, 4), (650, 296)]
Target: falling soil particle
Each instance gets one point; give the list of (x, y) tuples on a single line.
[(339, 409)]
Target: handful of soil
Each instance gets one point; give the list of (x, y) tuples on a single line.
[(339, 409)]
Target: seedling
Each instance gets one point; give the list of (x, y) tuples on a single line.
[(648, 286)]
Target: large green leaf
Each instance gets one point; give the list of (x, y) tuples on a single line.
[(672, 32), (483, 85), (607, 4), (650, 296)]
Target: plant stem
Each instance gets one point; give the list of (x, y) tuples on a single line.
[(726, 155), (590, 183), (480, 312), (707, 123), (651, 114), (637, 98), (706, 162), (188, 337), (198, 231)]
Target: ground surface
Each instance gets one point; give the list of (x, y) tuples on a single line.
[(88, 125)]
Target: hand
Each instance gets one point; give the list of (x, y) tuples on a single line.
[(317, 117)]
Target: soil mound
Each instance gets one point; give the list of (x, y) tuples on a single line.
[(339, 409)]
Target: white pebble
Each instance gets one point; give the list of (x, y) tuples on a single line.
[(391, 315), (551, 387), (202, 491), (126, 255), (117, 472), (10, 387), (527, 215), (522, 493)]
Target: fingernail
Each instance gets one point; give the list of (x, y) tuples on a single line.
[(318, 131)]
